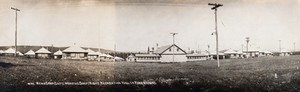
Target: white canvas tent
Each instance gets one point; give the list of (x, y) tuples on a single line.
[(19, 53), (119, 59), (9, 52)]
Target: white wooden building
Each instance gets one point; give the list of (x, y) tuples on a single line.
[(197, 57), (92, 55), (232, 54), (75, 52), (58, 54), (147, 58), (131, 57), (171, 53), (43, 53), (162, 54), (251, 53), (285, 53)]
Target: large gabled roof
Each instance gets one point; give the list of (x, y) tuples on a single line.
[(75, 49), (162, 49), (43, 50)]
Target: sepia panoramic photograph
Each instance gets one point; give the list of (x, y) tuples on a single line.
[(149, 45)]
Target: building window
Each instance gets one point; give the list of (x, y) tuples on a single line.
[(177, 49), (170, 49), (72, 55), (81, 55)]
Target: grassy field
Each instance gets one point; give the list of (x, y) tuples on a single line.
[(256, 74)]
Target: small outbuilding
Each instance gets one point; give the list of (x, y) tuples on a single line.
[(131, 57), (232, 54), (58, 54), (92, 55)]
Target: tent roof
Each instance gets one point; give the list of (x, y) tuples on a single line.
[(91, 52), (10, 50), (131, 56), (43, 50), (21, 54), (101, 54), (30, 52), (107, 55), (119, 58), (75, 49), (230, 51), (59, 52)]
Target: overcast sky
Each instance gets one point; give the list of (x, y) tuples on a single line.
[(133, 25)]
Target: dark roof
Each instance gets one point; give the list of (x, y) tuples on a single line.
[(162, 49)]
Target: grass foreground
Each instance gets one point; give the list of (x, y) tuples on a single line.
[(252, 75)]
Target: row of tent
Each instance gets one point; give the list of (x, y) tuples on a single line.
[(73, 52)]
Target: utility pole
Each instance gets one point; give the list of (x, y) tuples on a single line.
[(247, 40), (209, 57), (215, 7), (173, 34), (279, 45), (115, 52), (294, 47), (16, 32)]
